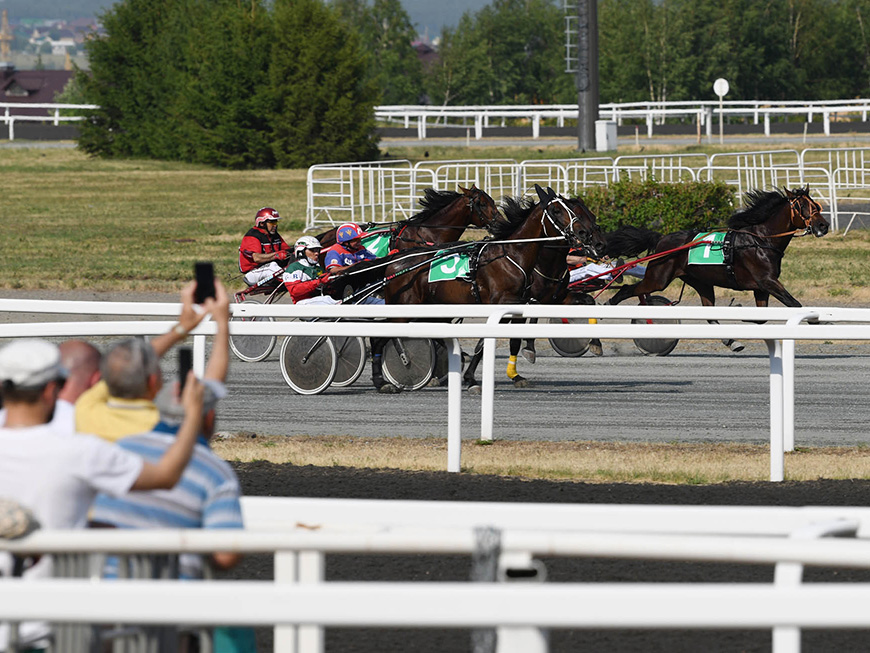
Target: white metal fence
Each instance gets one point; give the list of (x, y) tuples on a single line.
[(299, 603), (388, 191), (839, 324)]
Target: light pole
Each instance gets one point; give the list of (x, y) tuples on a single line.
[(587, 73), (720, 88)]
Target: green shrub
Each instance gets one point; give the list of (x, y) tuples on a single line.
[(662, 207)]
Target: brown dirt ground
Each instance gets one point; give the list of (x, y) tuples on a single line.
[(268, 479)]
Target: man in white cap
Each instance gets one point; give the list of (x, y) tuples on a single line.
[(56, 476), (208, 494)]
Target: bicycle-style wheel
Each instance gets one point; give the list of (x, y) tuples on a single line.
[(656, 346), (252, 348), (408, 362), (308, 363), (350, 359), (569, 347)]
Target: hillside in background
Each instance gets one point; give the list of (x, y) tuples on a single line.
[(428, 16)]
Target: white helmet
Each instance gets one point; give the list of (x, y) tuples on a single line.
[(306, 242)]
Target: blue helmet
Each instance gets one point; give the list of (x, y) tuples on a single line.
[(347, 232)]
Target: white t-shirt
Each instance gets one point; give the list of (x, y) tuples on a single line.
[(63, 422), (57, 477)]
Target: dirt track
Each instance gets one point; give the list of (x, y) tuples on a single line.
[(266, 479)]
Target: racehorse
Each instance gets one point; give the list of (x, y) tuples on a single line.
[(550, 277), (500, 271), (445, 216), (752, 250)]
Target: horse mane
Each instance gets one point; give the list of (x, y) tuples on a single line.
[(516, 210), (759, 206), (432, 202)]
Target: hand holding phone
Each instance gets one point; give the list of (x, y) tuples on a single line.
[(204, 274), (185, 364)]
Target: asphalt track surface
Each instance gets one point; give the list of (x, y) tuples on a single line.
[(701, 392)]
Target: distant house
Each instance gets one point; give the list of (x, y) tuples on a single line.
[(427, 55), (31, 87)]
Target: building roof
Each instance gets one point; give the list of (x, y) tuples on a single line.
[(31, 86)]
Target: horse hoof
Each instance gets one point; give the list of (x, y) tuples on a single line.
[(734, 345), (521, 382), (596, 348), (474, 389), (434, 382), (529, 355), (389, 389)]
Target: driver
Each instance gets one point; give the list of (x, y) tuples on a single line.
[(348, 249), (582, 268), (263, 253), (304, 277)]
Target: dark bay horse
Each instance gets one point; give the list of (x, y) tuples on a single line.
[(550, 275), (445, 216), (501, 271), (753, 248)]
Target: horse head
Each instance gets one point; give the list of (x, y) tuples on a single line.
[(573, 220), (806, 213), (483, 208)]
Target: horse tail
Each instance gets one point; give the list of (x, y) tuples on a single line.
[(631, 241)]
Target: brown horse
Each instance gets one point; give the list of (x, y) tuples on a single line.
[(445, 216), (501, 271), (753, 248)]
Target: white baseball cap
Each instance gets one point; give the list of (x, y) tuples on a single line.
[(30, 363)]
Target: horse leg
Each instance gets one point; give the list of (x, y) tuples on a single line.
[(775, 288), (529, 349), (378, 379), (471, 383), (519, 381), (708, 298)]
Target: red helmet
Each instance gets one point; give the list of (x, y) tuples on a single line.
[(264, 214), (347, 232)]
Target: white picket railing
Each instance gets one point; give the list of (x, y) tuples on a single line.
[(838, 324)]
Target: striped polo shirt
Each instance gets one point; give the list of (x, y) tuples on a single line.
[(207, 496)]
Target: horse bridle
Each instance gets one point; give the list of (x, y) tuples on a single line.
[(794, 204), (567, 232), (475, 208)]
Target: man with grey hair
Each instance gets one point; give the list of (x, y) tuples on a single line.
[(208, 496), (57, 476), (122, 403)]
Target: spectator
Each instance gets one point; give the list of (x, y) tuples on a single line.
[(263, 252), (122, 403), (82, 362), (208, 494), (57, 477)]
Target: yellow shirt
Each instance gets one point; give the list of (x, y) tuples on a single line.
[(112, 418)]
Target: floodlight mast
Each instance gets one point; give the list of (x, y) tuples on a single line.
[(582, 59)]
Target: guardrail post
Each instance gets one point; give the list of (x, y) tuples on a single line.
[(454, 406), (767, 124), (787, 639), (536, 125), (487, 394), (788, 384), (478, 127), (421, 127), (199, 355), (826, 122), (11, 128), (304, 567), (649, 124), (777, 454), (285, 572), (521, 567)]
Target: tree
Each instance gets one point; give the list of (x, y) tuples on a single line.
[(386, 33), (322, 100)]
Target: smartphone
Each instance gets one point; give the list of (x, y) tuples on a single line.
[(185, 364), (204, 274)]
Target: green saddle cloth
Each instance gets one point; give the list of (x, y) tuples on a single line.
[(446, 267), (710, 251)]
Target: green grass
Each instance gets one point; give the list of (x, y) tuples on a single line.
[(68, 221)]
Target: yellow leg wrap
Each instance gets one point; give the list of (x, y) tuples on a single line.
[(512, 367), (592, 320)]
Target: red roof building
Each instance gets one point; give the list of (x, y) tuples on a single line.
[(31, 87)]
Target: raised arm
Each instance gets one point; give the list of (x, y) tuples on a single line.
[(187, 321), (219, 361)]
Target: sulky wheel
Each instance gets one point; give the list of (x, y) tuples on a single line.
[(350, 359), (569, 347), (656, 346), (308, 363), (408, 362), (252, 348)]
